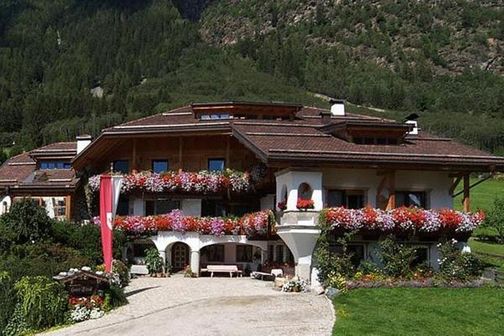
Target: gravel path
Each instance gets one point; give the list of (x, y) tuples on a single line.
[(204, 306)]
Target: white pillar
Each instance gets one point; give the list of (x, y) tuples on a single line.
[(195, 261)]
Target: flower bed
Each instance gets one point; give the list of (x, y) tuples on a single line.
[(305, 204), (253, 224), (400, 220), (189, 182)]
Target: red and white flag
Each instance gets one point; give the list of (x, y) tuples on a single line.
[(110, 187)]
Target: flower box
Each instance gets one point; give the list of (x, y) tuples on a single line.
[(305, 204), (203, 182), (402, 221), (259, 223)]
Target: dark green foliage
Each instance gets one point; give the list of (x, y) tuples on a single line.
[(154, 261), (7, 299), (86, 239), (455, 265), (43, 301), (115, 297), (495, 219), (329, 264), (41, 259), (27, 220), (398, 55), (397, 259)]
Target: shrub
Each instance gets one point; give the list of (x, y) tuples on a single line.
[(114, 297), (455, 265), (86, 239), (28, 220), (40, 259), (17, 323), (7, 299), (43, 301), (397, 258), (120, 270), (329, 263), (495, 219), (153, 261)]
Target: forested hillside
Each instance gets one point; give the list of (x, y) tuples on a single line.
[(75, 66)]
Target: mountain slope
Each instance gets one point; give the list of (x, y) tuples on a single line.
[(71, 66)]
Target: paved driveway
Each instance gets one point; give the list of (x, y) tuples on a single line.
[(204, 306)]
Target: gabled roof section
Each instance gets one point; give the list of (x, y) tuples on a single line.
[(58, 150), (16, 169), (309, 145)]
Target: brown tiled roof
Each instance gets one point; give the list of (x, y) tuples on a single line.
[(306, 138), (289, 143), (16, 169), (20, 172), (58, 146)]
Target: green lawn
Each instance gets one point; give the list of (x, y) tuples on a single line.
[(483, 249), (483, 195), (420, 311)]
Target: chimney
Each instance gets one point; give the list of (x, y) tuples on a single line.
[(82, 142), (414, 130), (337, 107)]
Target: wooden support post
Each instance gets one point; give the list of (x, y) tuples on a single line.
[(181, 165), (134, 156), (228, 150), (391, 191), (466, 201), (455, 183), (68, 207)]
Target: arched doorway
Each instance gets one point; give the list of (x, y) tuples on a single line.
[(179, 256)]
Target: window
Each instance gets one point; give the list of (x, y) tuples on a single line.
[(159, 166), (123, 206), (271, 253), (220, 116), (411, 198), (355, 250), (216, 164), (121, 166), (215, 253), (421, 256), (160, 206), (375, 141), (55, 165), (350, 199), (244, 253), (213, 208)]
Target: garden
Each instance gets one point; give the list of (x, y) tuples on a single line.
[(398, 294), (37, 254)]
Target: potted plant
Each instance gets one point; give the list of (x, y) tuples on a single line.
[(282, 205), (305, 204), (154, 262)]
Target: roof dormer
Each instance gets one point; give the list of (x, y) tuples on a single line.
[(244, 110), (364, 132)]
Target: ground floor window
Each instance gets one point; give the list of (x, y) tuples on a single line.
[(214, 253), (357, 252), (421, 256), (244, 253)]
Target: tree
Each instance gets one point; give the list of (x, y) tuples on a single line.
[(28, 220), (495, 219)]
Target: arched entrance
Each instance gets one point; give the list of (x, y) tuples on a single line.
[(179, 256)]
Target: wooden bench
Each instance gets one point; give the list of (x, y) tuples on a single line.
[(231, 269)]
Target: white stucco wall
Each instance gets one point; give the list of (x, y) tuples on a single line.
[(435, 184), (292, 179), (5, 204)]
